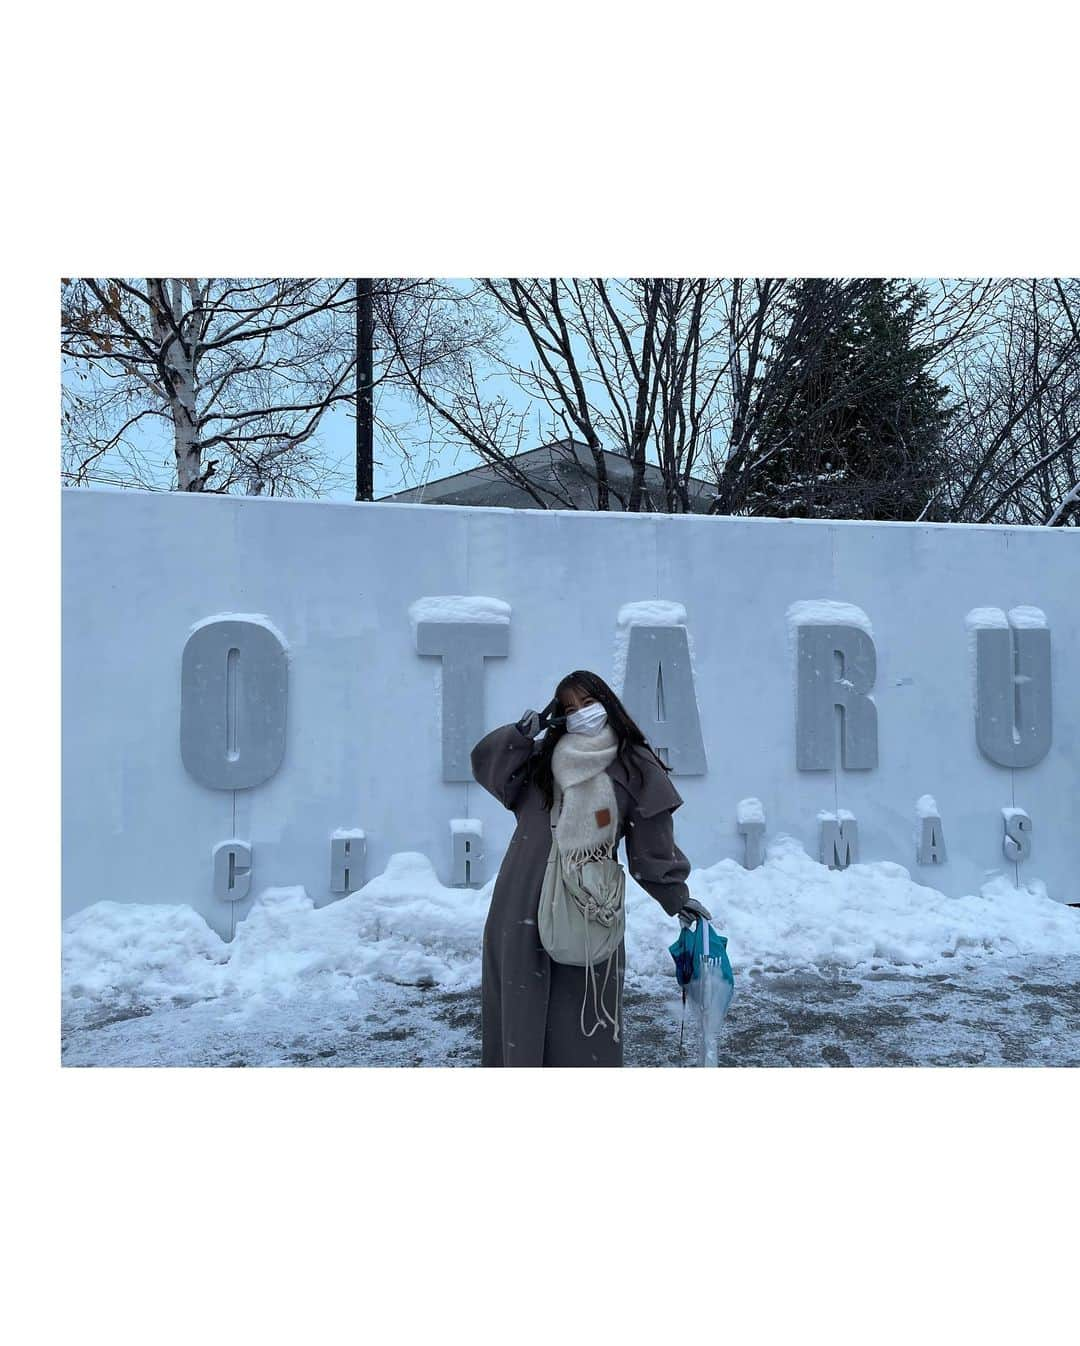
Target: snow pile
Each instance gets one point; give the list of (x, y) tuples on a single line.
[(132, 952), (405, 927), (402, 927), (794, 912)]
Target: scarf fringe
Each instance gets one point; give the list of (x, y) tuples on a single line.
[(582, 855)]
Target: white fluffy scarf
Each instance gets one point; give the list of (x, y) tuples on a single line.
[(583, 790)]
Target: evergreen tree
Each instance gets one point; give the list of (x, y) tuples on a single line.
[(855, 416)]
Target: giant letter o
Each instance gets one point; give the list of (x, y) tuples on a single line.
[(234, 682)]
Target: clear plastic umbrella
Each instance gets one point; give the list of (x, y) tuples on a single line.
[(703, 971)]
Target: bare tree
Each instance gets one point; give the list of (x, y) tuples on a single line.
[(624, 366), (1014, 449), (432, 337), (238, 373)]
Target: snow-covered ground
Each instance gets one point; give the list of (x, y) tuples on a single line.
[(389, 974), (990, 1011)]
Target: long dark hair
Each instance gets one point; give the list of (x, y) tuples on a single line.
[(626, 731)]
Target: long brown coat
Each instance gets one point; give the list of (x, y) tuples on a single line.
[(531, 1006)]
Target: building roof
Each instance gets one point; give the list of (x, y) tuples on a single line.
[(564, 476)]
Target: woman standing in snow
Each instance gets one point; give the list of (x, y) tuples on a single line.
[(611, 785)]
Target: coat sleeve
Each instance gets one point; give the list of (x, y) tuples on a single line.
[(656, 863), (499, 761)]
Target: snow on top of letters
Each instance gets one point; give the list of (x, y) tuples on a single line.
[(652, 612), (1025, 616), (259, 618), (926, 807), (989, 618), (458, 608), (749, 810), (826, 612), (985, 619)]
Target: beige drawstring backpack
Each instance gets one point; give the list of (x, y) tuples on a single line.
[(582, 920)]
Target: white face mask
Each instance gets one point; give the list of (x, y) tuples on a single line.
[(587, 720)]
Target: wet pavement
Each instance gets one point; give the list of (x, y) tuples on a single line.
[(995, 1011)]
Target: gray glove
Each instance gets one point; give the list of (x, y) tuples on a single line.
[(691, 911), (530, 724), (533, 721)]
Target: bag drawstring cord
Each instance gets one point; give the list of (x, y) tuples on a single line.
[(590, 973)]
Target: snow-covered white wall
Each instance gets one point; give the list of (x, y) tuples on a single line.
[(365, 744)]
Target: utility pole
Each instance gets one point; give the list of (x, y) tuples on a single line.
[(365, 402)]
